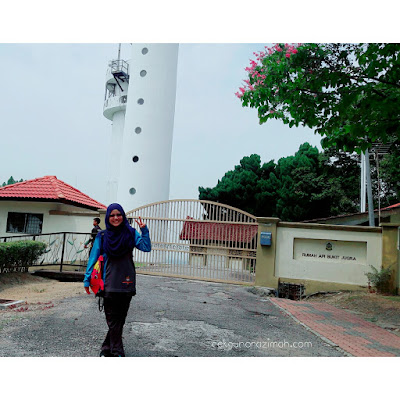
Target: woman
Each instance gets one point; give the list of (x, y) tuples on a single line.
[(116, 244)]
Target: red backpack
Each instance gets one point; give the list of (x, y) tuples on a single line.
[(96, 278)]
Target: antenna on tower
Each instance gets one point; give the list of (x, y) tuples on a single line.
[(119, 69)]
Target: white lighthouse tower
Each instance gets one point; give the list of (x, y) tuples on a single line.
[(142, 124), (115, 99)]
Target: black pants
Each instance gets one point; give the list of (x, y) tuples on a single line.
[(116, 306)]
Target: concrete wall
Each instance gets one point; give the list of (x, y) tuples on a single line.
[(322, 257), (302, 254), (57, 217), (390, 253)]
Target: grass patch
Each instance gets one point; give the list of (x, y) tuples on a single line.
[(393, 298), (351, 298)]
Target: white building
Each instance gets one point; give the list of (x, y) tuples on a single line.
[(45, 205), (140, 101)]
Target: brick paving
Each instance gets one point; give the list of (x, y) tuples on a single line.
[(351, 333)]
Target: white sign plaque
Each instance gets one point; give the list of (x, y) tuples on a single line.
[(337, 251)]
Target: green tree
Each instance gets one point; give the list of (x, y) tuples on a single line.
[(11, 181), (341, 170), (317, 185), (238, 188), (389, 174), (348, 93), (297, 175), (307, 185)]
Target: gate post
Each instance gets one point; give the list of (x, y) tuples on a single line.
[(62, 253), (265, 263), (390, 253)]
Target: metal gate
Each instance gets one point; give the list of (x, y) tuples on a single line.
[(198, 239)]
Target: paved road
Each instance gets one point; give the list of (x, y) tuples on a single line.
[(168, 317)]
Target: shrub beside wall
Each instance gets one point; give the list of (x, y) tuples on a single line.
[(19, 256), (380, 279)]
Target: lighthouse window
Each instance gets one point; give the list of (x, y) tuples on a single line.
[(138, 130), (140, 101), (132, 191), (110, 89), (143, 73), (145, 50), (135, 159)]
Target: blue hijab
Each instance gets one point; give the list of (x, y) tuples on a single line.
[(121, 239)]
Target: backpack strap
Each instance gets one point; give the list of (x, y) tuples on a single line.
[(101, 303), (101, 295), (101, 233)]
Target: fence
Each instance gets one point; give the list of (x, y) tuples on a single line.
[(198, 239), (63, 248)]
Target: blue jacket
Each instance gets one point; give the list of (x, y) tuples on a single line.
[(142, 242)]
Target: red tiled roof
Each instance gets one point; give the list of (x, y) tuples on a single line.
[(397, 205), (225, 232), (48, 188), (390, 207)]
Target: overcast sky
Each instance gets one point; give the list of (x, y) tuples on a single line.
[(52, 123), (51, 103)]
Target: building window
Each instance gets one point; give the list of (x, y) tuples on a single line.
[(24, 223)]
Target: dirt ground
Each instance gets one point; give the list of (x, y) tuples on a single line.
[(42, 293), (384, 311), (34, 289)]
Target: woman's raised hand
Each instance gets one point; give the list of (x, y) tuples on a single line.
[(140, 222)]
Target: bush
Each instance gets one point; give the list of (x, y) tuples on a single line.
[(20, 255), (380, 280)]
